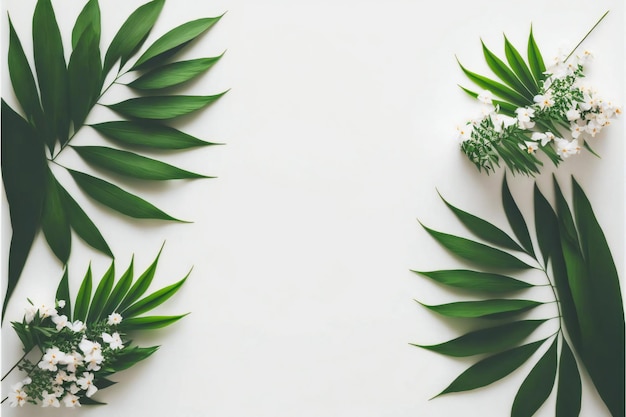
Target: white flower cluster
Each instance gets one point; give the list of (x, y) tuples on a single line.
[(564, 115), (66, 374)]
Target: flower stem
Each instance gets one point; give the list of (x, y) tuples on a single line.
[(16, 364), (588, 33)]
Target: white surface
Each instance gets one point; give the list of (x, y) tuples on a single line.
[(338, 131)]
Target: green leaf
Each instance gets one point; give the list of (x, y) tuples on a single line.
[(54, 221), (26, 337), (505, 74), (63, 293), (23, 81), (569, 390), (477, 252), (492, 368), (173, 74), (162, 107), (515, 218), (496, 308), (535, 60), (151, 135), (83, 297), (520, 68), (149, 322), (89, 17), (51, 70), (132, 356), (483, 229), (90, 401), (119, 291), (546, 226), (132, 34), (141, 285), (85, 76), (492, 339), (82, 224), (537, 386), (117, 199), (153, 300), (131, 164), (173, 39), (603, 343), (497, 88), (24, 168), (476, 281), (101, 295)]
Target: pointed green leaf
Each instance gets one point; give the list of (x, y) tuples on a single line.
[(90, 401), (23, 81), (54, 221), (485, 308), (477, 252), (497, 88), (151, 135), (476, 281), (603, 346), (483, 229), (173, 74), (131, 164), (162, 107), (492, 368), (569, 389), (132, 34), (119, 291), (51, 70), (103, 383), (515, 218), (153, 300), (504, 107), (101, 295), (175, 38), (89, 17), (117, 199), (505, 74), (85, 74), (518, 65), (63, 293), (149, 322), (82, 224), (81, 306), (537, 386), (24, 178), (492, 339), (546, 226), (141, 285), (535, 60), (132, 356)]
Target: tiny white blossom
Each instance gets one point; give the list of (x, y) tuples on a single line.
[(486, 97), (46, 311), (29, 313), (77, 326), (576, 129), (524, 116), (86, 383), (72, 361), (49, 400), (530, 147), (51, 358), (60, 303), (61, 321), (572, 114), (464, 133), (73, 388), (593, 128), (114, 340), (567, 148), (71, 400), (17, 396), (544, 100), (114, 319)]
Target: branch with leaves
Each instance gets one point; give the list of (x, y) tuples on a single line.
[(55, 105), (575, 258), (81, 345)]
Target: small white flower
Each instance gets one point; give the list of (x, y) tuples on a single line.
[(531, 147), (464, 133), (49, 400), (60, 303), (86, 383), (544, 138), (17, 396), (51, 358), (46, 311), (114, 319), (524, 116), (486, 97), (576, 129), (566, 148), (72, 361), (71, 400), (60, 321), (29, 313), (572, 114), (73, 388), (544, 100), (77, 326), (592, 128), (114, 340), (501, 121)]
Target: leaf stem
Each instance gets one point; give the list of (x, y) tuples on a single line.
[(588, 33), (16, 364)]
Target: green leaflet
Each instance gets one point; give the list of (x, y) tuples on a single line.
[(153, 300), (149, 322), (519, 67), (486, 308), (499, 89), (101, 294), (63, 293), (131, 164), (162, 107), (54, 221), (85, 75), (505, 73), (150, 135), (174, 39), (140, 286), (83, 298), (476, 280), (173, 74), (132, 34), (89, 17), (24, 179), (492, 368), (569, 388), (515, 218), (131, 357), (537, 386), (121, 288), (535, 60), (492, 339)]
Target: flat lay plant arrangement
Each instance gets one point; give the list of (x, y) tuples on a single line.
[(55, 100), (535, 109)]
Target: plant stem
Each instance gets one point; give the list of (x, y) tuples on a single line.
[(16, 364), (585, 37)]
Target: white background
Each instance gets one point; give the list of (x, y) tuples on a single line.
[(339, 128)]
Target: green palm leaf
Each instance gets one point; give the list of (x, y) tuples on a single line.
[(496, 308), (516, 219), (535, 60), (173, 74), (476, 280), (569, 388), (515, 60), (162, 107), (54, 221), (505, 73), (149, 135), (83, 298)]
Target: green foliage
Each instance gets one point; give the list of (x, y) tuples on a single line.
[(578, 264), (55, 105)]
